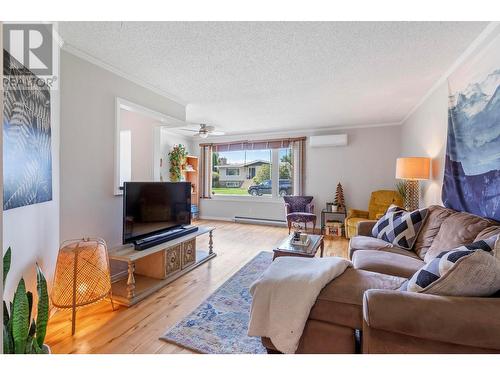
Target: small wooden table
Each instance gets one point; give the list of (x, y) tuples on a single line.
[(286, 248)]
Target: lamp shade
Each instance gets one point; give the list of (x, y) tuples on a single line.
[(82, 274), (413, 168)]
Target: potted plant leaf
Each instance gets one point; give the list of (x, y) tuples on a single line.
[(21, 333), (177, 161), (401, 189)]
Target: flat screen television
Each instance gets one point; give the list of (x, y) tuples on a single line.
[(150, 208)]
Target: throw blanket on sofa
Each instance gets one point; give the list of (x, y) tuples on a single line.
[(284, 295)]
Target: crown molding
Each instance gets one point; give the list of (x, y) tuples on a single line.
[(488, 30), (94, 60)]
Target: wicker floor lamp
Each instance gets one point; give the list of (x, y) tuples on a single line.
[(82, 275)]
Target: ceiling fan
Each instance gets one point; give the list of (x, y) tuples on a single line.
[(204, 131)]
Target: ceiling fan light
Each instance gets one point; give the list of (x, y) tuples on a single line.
[(203, 135)]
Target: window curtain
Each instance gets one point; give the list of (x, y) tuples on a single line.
[(299, 155), (205, 171), (254, 145)]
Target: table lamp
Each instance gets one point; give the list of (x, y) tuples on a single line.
[(412, 170), (82, 275)]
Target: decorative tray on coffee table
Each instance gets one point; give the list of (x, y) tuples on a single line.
[(300, 243)]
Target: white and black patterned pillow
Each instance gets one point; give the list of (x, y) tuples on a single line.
[(468, 270), (399, 227)]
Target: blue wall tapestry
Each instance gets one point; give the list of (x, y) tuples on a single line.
[(472, 166), (27, 159)]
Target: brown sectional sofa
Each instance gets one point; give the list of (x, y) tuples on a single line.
[(366, 298)]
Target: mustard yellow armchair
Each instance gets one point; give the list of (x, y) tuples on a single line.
[(380, 200)]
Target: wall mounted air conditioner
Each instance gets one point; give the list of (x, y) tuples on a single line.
[(332, 140)]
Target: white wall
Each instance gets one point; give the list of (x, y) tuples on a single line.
[(88, 204), (33, 231), (366, 164), (143, 134), (424, 134)]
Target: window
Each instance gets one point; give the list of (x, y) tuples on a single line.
[(241, 172), (232, 172), (271, 168), (251, 172)]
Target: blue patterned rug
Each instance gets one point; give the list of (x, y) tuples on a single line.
[(219, 325)]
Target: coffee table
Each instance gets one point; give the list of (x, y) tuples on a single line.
[(286, 248)]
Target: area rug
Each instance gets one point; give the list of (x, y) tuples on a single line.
[(219, 325)]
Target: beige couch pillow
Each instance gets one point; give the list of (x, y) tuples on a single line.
[(457, 229), (468, 271)]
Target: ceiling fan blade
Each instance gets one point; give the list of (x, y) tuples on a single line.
[(217, 132), (209, 128), (190, 130)]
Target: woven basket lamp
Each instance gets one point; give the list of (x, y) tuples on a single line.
[(82, 275)]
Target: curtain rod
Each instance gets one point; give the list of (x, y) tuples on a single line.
[(254, 141)]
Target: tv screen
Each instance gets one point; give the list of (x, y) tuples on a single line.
[(150, 208)]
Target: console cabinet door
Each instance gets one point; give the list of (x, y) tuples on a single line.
[(174, 261), (188, 253)]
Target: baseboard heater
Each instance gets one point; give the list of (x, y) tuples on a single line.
[(254, 220)]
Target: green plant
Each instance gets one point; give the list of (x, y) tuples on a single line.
[(263, 173), (401, 189), (19, 336), (215, 179), (177, 160)]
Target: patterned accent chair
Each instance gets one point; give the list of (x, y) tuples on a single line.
[(380, 200), (299, 209)]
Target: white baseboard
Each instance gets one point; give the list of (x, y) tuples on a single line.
[(245, 220), (259, 221), (218, 218)]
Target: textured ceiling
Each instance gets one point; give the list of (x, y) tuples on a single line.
[(271, 76)]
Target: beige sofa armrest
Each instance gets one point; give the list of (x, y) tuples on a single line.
[(365, 227), (457, 320)]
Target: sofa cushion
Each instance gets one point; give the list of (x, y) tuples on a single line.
[(458, 229), (386, 263), (467, 271), (341, 301), (368, 243), (430, 228), (372, 243), (301, 217), (400, 227)]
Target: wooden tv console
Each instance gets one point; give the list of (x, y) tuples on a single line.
[(146, 271)]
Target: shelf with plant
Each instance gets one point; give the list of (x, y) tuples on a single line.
[(177, 159)]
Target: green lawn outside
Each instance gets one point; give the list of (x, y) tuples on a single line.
[(229, 191)]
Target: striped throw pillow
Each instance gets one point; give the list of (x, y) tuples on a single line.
[(400, 227), (471, 270)]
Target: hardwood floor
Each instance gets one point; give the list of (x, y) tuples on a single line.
[(137, 329)]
